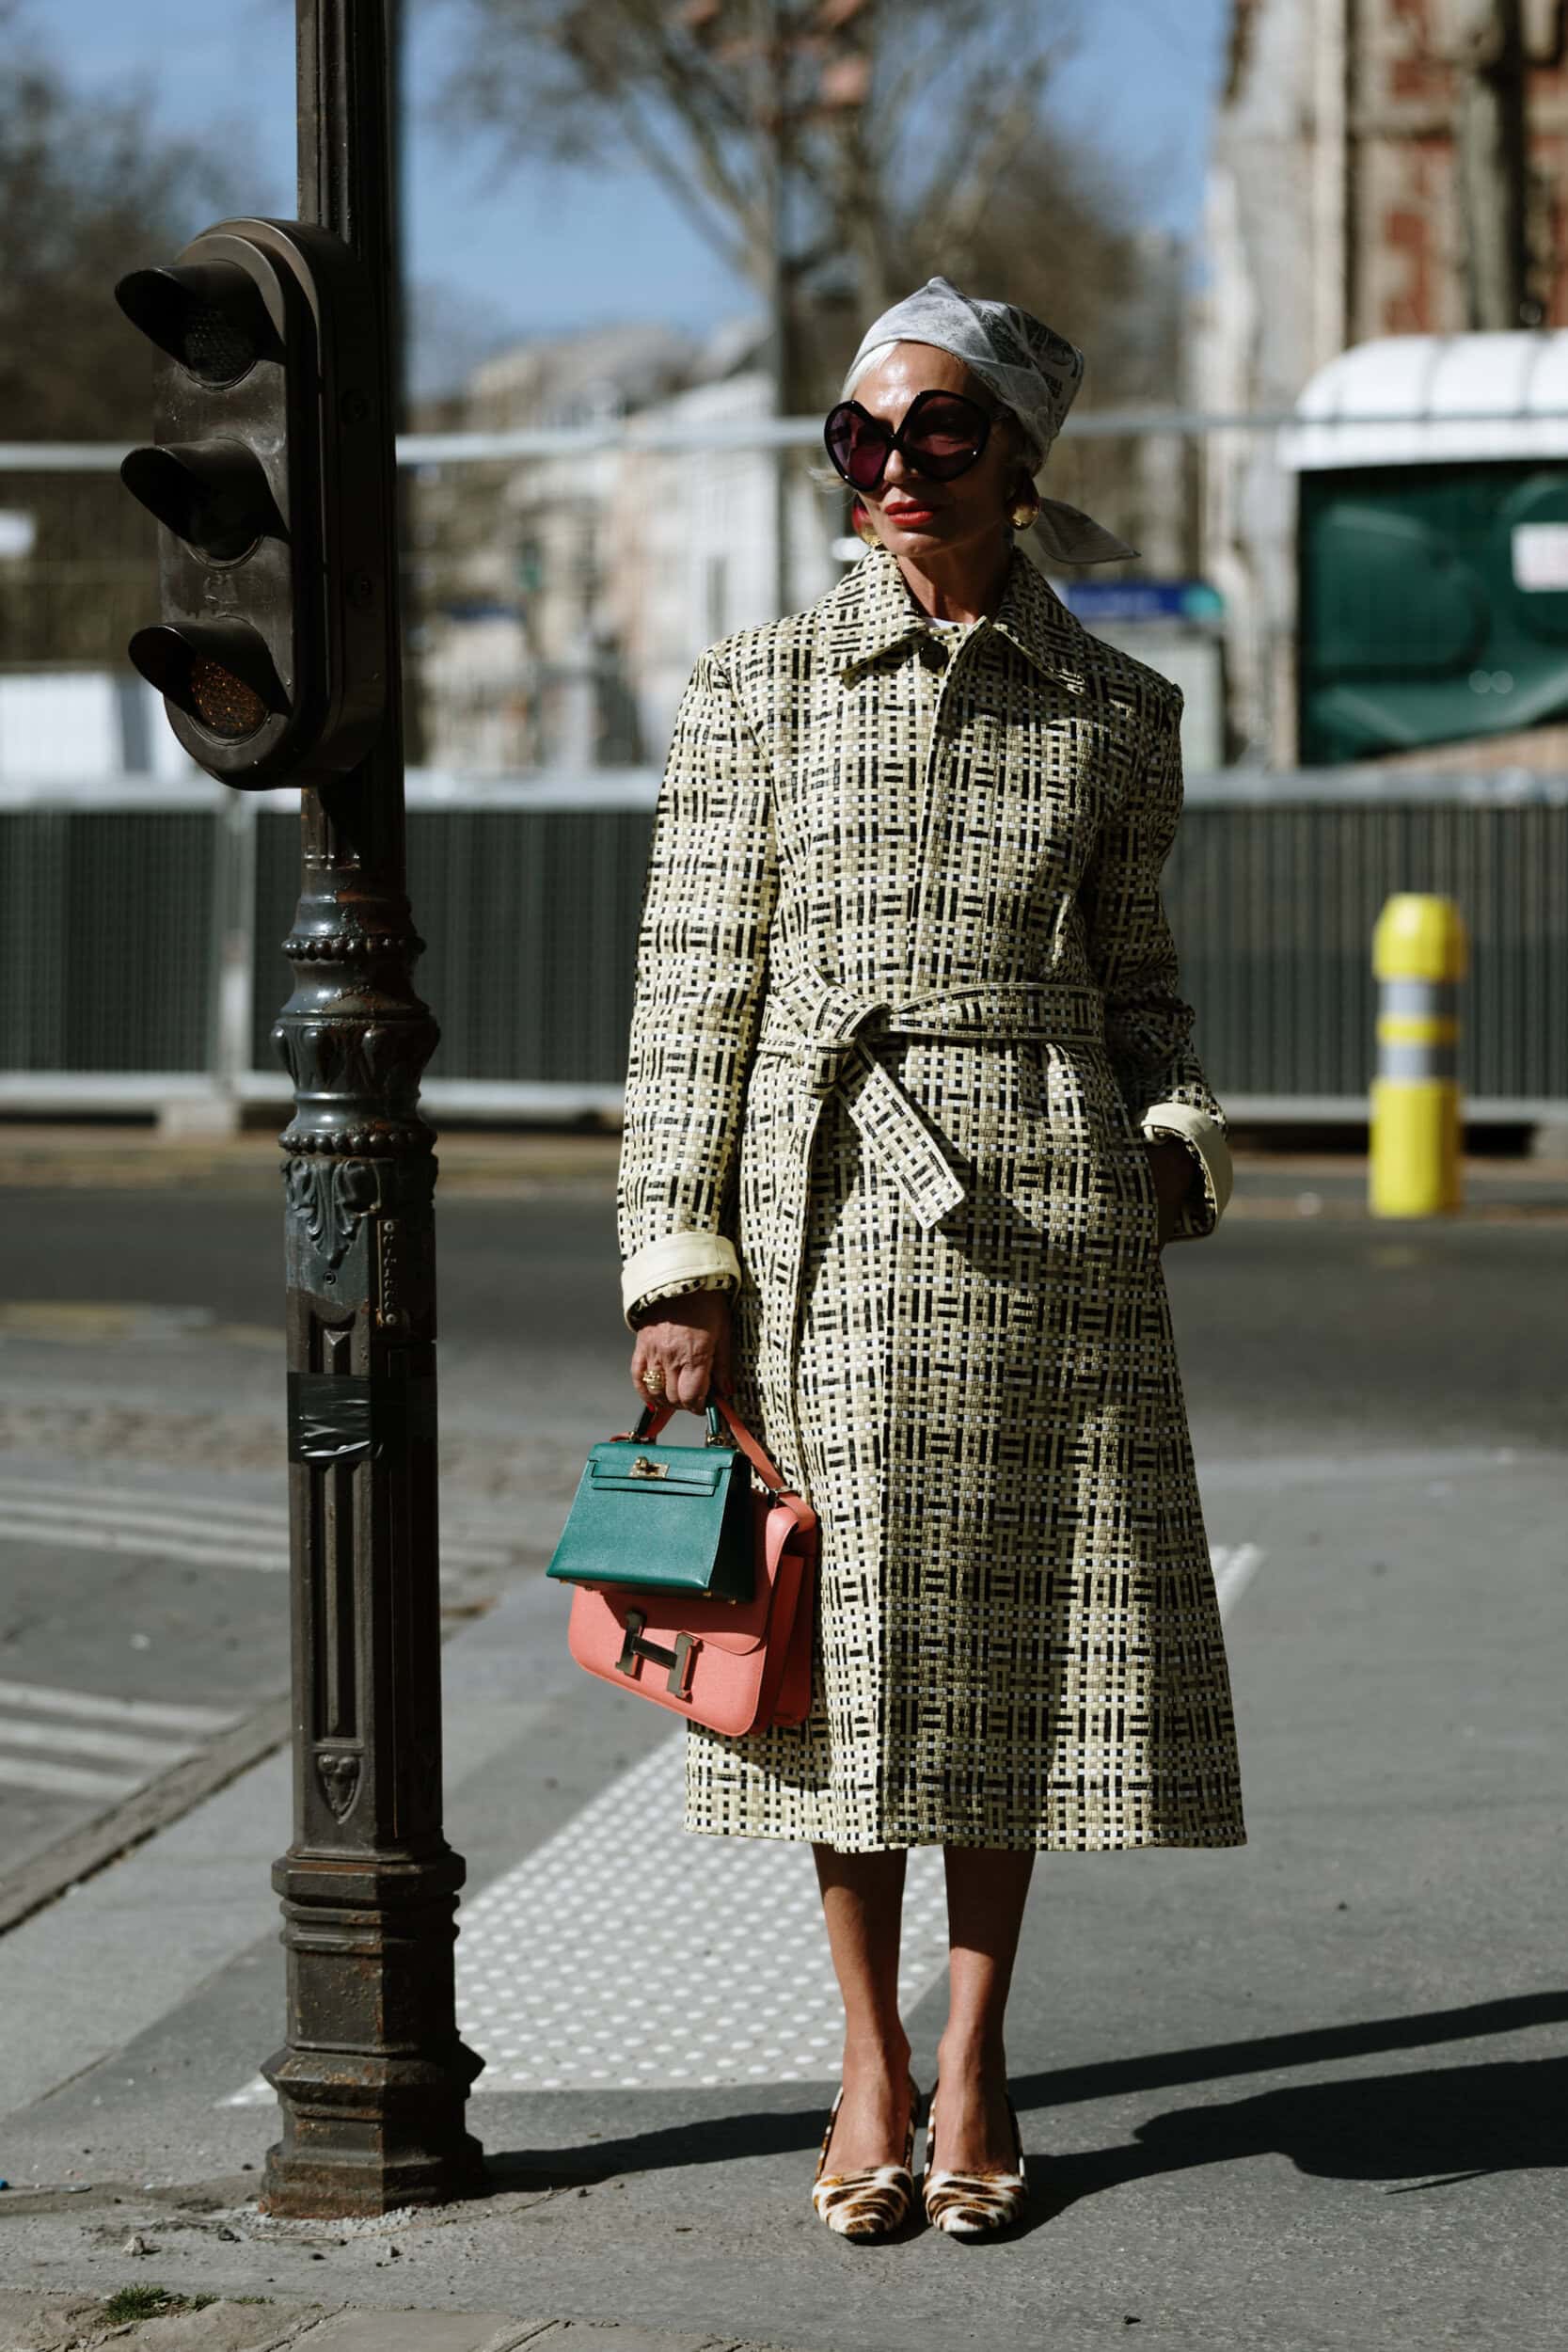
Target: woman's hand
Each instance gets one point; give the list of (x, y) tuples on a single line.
[(1175, 1176), (687, 1339)]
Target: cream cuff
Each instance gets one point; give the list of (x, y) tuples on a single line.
[(688, 1259), (1205, 1136)]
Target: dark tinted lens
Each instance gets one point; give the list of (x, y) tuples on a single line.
[(858, 447), (946, 436)]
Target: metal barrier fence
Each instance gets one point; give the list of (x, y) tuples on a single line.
[(141, 969), (562, 578)]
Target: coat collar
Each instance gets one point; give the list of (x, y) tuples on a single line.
[(871, 612)]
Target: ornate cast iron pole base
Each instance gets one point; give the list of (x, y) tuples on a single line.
[(372, 2079)]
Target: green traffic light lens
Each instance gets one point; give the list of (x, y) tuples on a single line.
[(225, 705)]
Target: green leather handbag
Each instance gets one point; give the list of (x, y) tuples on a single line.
[(662, 1518)]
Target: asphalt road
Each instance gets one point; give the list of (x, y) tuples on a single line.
[(143, 1531), (1308, 2093)]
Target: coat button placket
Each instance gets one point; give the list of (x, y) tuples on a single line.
[(943, 665)]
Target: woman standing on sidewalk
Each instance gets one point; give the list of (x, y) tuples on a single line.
[(911, 1111)]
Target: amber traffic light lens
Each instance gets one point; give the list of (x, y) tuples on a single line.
[(223, 704), (214, 494)]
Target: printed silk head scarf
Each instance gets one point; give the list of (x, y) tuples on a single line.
[(1033, 371)]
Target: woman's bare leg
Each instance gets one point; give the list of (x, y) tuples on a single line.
[(987, 1889), (862, 1903)]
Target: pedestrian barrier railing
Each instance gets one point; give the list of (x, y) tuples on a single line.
[(140, 923)]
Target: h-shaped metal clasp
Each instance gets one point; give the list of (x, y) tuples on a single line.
[(678, 1681)]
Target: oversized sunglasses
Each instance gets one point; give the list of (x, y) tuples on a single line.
[(941, 435)]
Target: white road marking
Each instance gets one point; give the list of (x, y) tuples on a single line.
[(217, 1534), (268, 1516), (101, 1731), (42, 1699), (1234, 1569), (18, 1526), (66, 1780), (129, 1747)]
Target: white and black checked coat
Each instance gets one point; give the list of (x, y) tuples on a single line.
[(907, 1005)]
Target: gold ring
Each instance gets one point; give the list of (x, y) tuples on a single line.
[(654, 1379)]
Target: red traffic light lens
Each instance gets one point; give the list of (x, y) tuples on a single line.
[(224, 704), (219, 673)]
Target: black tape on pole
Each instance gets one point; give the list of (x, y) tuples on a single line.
[(350, 1416)]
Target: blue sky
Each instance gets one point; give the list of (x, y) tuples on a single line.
[(534, 251)]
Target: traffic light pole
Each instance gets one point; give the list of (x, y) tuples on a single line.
[(372, 2078)]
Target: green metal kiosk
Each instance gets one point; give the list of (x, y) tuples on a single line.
[(1432, 543)]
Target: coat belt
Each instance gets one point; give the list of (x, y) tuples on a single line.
[(827, 1032)]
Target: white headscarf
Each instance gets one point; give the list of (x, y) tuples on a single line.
[(1033, 371)]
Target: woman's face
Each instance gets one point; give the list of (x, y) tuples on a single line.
[(914, 515)]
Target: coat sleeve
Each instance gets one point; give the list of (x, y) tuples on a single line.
[(1133, 955), (711, 889)]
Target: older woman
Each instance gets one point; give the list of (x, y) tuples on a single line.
[(912, 1109)]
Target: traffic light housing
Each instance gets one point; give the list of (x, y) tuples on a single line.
[(271, 482)]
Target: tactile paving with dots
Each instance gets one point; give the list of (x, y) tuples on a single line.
[(721, 1937), (627, 1953)]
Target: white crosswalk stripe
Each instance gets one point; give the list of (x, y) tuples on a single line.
[(211, 1533), (123, 1744), (1234, 1566), (42, 1699), (65, 1780), (127, 1747)]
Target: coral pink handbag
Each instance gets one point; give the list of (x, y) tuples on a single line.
[(735, 1665)]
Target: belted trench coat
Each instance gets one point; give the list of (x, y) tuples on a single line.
[(906, 1007)]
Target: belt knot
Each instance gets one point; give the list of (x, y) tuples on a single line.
[(826, 1061), (829, 1047)]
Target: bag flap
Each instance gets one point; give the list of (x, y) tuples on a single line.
[(686, 1469), (659, 1518), (735, 1627)]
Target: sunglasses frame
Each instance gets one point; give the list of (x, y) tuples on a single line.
[(897, 438)]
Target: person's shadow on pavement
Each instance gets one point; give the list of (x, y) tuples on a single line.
[(1420, 2126), (1417, 2128)]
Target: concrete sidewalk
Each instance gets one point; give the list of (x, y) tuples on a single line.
[(1304, 2095), (54, 2323)]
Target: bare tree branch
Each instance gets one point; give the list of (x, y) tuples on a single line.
[(951, 164)]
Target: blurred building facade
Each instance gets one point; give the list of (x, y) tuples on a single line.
[(561, 599), (1336, 211)]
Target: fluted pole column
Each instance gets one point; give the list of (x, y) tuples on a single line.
[(372, 2078)]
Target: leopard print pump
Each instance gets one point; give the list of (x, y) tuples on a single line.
[(973, 2204), (868, 2203)]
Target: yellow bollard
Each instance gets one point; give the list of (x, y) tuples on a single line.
[(1419, 954)]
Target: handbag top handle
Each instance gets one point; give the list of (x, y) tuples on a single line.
[(655, 1417)]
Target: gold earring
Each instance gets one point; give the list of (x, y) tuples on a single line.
[(1025, 512), (864, 528)]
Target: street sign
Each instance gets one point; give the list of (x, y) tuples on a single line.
[(271, 652), (1144, 600)]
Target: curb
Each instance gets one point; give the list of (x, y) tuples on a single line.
[(114, 1158)]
